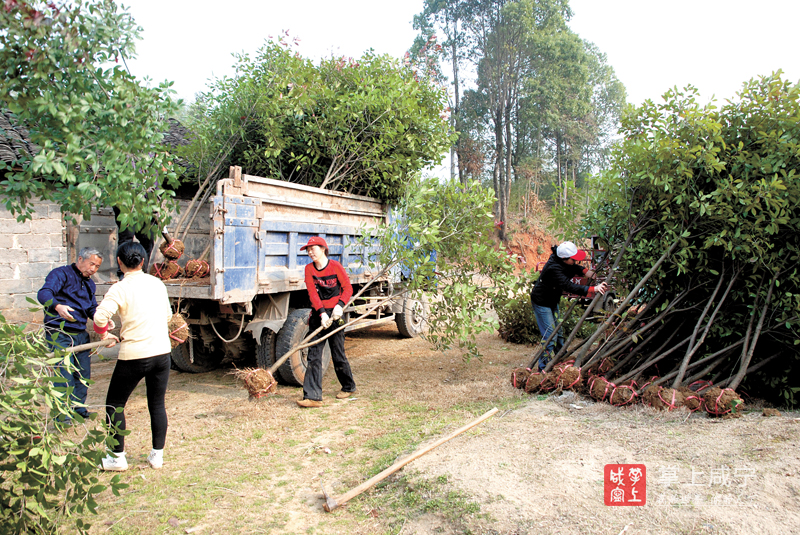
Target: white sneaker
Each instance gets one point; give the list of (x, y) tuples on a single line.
[(114, 462), (156, 458)]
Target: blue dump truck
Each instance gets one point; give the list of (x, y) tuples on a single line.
[(254, 304)]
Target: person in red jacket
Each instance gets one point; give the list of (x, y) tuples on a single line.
[(329, 290), (555, 279)]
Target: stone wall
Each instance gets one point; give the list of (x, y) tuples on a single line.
[(28, 252)]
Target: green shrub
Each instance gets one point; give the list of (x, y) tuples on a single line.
[(48, 478), (515, 313)]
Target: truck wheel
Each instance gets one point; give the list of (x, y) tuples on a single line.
[(413, 321), (293, 371), (265, 351), (204, 361), (608, 302), (605, 303)]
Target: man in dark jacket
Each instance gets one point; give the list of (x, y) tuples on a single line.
[(555, 279), (68, 296)]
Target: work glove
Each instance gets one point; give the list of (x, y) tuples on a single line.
[(326, 321), (337, 312)]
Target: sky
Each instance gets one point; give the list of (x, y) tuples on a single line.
[(714, 45)]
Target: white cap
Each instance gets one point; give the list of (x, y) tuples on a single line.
[(570, 250)]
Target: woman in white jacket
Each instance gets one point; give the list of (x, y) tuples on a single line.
[(143, 306)]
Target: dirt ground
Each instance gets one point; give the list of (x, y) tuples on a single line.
[(239, 466)]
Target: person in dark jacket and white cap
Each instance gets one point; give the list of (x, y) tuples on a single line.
[(556, 278)]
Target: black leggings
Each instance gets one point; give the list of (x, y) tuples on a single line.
[(127, 374)]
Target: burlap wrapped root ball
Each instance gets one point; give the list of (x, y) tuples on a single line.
[(663, 398), (600, 368), (172, 251), (622, 395), (570, 378), (519, 376), (534, 382), (691, 399), (178, 330), (600, 389), (549, 381), (258, 381), (196, 269), (722, 401), (166, 270)]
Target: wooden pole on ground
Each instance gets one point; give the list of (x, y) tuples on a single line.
[(332, 503)]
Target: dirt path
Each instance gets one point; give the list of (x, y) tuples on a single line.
[(236, 466)]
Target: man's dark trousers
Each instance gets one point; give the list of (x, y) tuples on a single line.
[(81, 363)]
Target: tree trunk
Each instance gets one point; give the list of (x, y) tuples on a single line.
[(600, 330), (498, 169), (457, 103), (752, 346), (558, 166)]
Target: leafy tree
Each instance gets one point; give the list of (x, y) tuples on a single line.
[(544, 101), (364, 126), (705, 200), (442, 237), (447, 16), (506, 37), (48, 479), (97, 130)]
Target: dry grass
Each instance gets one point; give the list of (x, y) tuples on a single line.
[(239, 466)]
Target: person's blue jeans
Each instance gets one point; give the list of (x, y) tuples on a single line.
[(547, 319), (82, 366)]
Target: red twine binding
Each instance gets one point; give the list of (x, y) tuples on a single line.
[(576, 381), (172, 246), (633, 395), (702, 386), (175, 337), (529, 379), (206, 268), (514, 378), (608, 383), (670, 404), (273, 383), (699, 405), (716, 410)]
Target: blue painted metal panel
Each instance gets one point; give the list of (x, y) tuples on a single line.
[(250, 247), (240, 245)]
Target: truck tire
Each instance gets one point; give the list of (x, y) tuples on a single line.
[(605, 303), (413, 321), (293, 371), (265, 351), (204, 361)]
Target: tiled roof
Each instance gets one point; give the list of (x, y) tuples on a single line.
[(14, 139)]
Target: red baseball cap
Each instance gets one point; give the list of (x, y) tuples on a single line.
[(315, 240)]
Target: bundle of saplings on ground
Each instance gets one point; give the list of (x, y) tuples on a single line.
[(702, 206)]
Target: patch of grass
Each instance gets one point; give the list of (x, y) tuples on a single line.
[(400, 498)]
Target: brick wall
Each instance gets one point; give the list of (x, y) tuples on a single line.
[(28, 252)]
